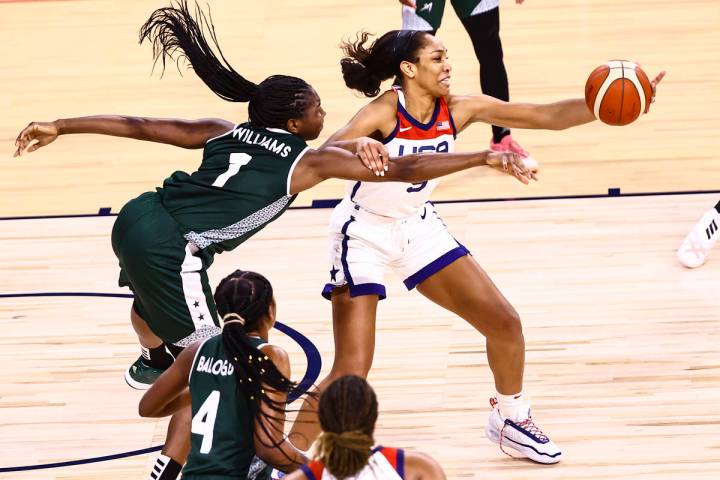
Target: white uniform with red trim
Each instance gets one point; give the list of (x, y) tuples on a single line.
[(397, 199), (393, 224), (384, 464)]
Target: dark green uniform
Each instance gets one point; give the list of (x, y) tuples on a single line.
[(222, 429), (165, 240), (432, 10)]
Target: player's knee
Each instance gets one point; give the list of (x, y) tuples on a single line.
[(506, 324)]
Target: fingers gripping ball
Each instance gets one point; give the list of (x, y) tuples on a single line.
[(617, 92)]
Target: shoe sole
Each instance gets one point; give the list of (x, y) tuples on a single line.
[(134, 383)]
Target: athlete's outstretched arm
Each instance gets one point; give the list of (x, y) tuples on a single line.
[(169, 393), (180, 133), (470, 109), (549, 116), (331, 162)]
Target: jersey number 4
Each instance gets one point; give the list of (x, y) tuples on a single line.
[(237, 160), (203, 423)]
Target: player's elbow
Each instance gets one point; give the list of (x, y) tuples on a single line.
[(145, 409), (270, 454)]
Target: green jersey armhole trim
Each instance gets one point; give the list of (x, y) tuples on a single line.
[(292, 168), (220, 136), (192, 366)]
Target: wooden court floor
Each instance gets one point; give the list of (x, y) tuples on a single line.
[(623, 359)]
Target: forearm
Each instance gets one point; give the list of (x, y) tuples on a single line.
[(177, 132), (349, 145), (178, 403), (115, 125), (566, 114), (285, 457), (419, 167)]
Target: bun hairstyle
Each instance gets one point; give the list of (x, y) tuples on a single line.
[(365, 67)]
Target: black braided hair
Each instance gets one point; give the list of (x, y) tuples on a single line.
[(175, 33), (248, 295), (364, 68)]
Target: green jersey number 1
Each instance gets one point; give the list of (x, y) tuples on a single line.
[(237, 160), (203, 423)]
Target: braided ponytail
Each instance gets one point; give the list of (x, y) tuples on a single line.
[(243, 299), (176, 33)]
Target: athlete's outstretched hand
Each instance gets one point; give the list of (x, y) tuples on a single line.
[(512, 164), (373, 155), (654, 83), (43, 132)]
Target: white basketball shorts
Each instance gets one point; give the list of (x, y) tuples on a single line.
[(363, 245)]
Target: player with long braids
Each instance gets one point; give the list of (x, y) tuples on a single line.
[(346, 448), (238, 385)]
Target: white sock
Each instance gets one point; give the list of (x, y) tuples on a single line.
[(513, 407)]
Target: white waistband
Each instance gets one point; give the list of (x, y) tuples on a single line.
[(359, 212)]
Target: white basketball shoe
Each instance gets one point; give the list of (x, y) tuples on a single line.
[(524, 437), (697, 245)]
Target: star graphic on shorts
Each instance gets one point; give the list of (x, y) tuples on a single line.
[(201, 316), (196, 304), (333, 272)]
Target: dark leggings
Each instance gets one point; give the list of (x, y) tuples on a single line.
[(484, 31)]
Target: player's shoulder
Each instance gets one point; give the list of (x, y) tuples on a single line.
[(421, 465), (386, 102), (278, 356)]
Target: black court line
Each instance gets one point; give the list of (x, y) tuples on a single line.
[(332, 202), (312, 354), (83, 461)]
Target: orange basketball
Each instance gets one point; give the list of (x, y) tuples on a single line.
[(618, 92)]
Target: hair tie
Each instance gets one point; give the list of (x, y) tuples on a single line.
[(353, 439), (233, 317)]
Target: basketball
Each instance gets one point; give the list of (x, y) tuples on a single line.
[(618, 92)]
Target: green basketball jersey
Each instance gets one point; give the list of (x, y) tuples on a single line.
[(222, 429), (243, 184)]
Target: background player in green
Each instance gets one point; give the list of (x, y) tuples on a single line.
[(238, 384), (481, 19)]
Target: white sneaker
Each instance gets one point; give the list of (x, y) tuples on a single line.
[(697, 245), (524, 437)]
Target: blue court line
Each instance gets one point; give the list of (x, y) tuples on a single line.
[(332, 202), (314, 365)]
